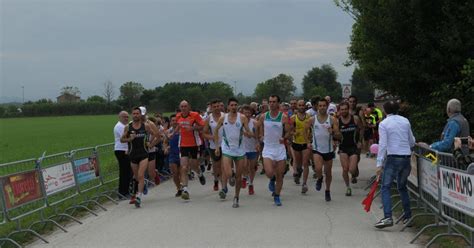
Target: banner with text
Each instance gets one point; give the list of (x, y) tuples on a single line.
[(456, 190), (428, 177), (21, 188), (86, 169), (58, 178)]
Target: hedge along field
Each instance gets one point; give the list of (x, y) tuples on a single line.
[(24, 138)]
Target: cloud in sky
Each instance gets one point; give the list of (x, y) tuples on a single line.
[(49, 44)]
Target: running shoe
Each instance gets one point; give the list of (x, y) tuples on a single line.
[(202, 167), (145, 188), (297, 179), (216, 185), (348, 192), (244, 182), (277, 201), (209, 166), (202, 179), (223, 193), (235, 204), (354, 180), (304, 189), (178, 193), (385, 222), (251, 190), (138, 202), (271, 185), (232, 180), (319, 183), (185, 195), (299, 171), (157, 179), (133, 199), (327, 195)]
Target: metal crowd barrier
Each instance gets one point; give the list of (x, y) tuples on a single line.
[(37, 186), (105, 153), (437, 198), (456, 197), (22, 194)]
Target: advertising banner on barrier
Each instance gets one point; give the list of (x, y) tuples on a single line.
[(413, 177), (21, 188), (58, 177), (86, 169), (456, 190), (428, 177)]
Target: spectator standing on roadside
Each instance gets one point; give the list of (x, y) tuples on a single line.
[(457, 126), (120, 150), (396, 142)]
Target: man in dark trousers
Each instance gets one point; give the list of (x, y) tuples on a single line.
[(125, 172)]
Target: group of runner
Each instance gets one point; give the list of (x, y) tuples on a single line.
[(237, 137)]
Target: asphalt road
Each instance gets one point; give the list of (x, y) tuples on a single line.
[(303, 220)]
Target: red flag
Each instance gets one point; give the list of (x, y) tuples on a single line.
[(367, 202)]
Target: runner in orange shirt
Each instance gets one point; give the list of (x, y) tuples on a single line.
[(189, 125)]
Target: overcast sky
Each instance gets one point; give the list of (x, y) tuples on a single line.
[(48, 44)]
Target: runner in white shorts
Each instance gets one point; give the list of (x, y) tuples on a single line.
[(234, 127), (273, 126)]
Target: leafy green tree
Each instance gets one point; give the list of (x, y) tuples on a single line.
[(130, 93), (361, 87), (281, 85), (415, 50), (147, 96), (70, 90), (96, 98), (325, 78)]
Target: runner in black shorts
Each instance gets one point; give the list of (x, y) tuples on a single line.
[(349, 148), (300, 151), (135, 134), (208, 133)]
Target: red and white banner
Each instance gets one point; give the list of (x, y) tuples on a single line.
[(58, 178), (456, 190)]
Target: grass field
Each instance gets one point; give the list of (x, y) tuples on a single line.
[(23, 138)]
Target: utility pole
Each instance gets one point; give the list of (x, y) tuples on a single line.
[(235, 88), (23, 93)]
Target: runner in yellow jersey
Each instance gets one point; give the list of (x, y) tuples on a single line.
[(301, 153)]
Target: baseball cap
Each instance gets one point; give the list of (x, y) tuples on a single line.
[(142, 110)]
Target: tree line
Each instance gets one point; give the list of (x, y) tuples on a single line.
[(318, 81), (421, 51)]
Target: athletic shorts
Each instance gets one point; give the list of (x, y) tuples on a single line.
[(251, 155), (326, 156), (349, 151), (202, 150), (152, 156), (173, 159), (234, 158), (275, 153), (368, 134), (299, 147), (190, 152), (137, 158), (212, 152)]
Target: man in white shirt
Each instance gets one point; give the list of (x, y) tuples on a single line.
[(121, 153), (395, 144), (314, 106)]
